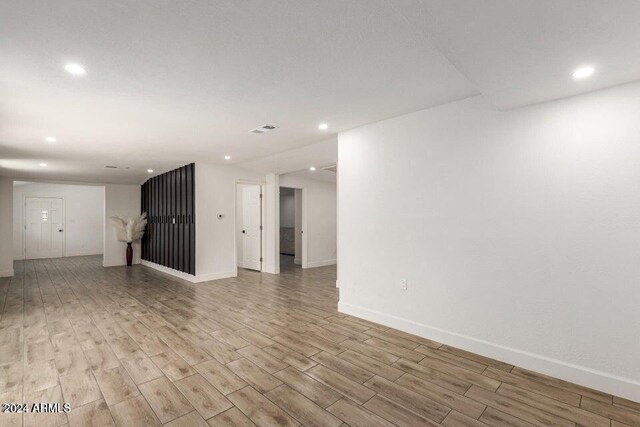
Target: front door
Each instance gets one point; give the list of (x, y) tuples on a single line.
[(44, 227)]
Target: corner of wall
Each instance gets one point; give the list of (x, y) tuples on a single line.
[(7, 273)]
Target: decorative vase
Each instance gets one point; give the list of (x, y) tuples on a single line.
[(129, 254)]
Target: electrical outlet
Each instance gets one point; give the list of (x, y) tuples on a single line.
[(403, 284)]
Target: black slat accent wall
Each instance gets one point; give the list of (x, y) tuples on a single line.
[(169, 201)]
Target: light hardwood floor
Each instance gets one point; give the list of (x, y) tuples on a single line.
[(134, 347)]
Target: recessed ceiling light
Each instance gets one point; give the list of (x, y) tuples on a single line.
[(323, 126), (43, 164), (227, 157), (75, 69), (583, 72), (312, 168), (50, 139), (149, 170)]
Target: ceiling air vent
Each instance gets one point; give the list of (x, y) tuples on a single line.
[(116, 167), (263, 129)]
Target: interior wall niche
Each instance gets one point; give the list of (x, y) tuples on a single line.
[(169, 200)]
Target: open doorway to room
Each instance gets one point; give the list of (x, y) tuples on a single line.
[(291, 231), (307, 218), (57, 220), (249, 226)]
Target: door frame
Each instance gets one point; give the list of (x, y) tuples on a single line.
[(303, 224), (24, 223), (263, 221)]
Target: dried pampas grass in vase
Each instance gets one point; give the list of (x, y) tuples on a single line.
[(128, 231)]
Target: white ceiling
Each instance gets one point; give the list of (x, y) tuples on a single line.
[(318, 175), (170, 82), (521, 52), (318, 155)]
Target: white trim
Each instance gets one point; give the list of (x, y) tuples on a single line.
[(190, 277), (7, 273), (598, 380), (314, 264)]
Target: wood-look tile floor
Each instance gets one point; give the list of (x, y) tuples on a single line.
[(133, 347)]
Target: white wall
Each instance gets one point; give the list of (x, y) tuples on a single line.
[(271, 231), (215, 238), (84, 216), (320, 208), (518, 232), (287, 210), (298, 226), (239, 220), (6, 228), (123, 201)]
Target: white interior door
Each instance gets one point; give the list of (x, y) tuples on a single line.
[(251, 227), (44, 227)]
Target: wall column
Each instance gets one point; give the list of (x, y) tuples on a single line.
[(271, 257), (6, 227)]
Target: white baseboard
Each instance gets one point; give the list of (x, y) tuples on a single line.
[(190, 277), (313, 264), (274, 270), (71, 254), (7, 273), (598, 380)]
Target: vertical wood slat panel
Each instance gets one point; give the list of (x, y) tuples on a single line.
[(148, 232), (145, 208), (169, 248), (156, 203), (183, 227), (143, 204), (154, 246), (152, 243), (169, 200), (163, 213), (149, 224), (159, 206), (192, 222), (172, 221), (174, 226), (142, 209), (179, 235), (186, 245)]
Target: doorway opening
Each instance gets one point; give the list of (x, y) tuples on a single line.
[(249, 226), (291, 232)]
